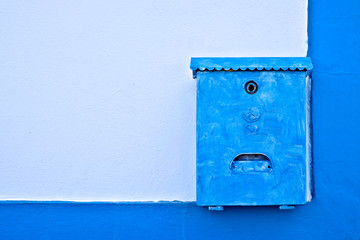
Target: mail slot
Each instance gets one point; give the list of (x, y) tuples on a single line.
[(253, 131)]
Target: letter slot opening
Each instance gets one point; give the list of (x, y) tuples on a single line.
[(251, 162)]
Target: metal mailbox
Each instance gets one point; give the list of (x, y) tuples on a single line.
[(253, 131)]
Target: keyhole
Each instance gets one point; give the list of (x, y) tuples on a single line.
[(251, 87)]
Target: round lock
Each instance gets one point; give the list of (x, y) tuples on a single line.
[(251, 87)]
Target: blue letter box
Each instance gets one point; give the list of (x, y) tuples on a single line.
[(253, 131)]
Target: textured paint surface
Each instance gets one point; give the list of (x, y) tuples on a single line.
[(96, 98), (272, 122)]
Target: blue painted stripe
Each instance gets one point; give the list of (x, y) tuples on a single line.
[(166, 220)]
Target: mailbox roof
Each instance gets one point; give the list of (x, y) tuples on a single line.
[(252, 63)]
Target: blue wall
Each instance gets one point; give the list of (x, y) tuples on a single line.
[(334, 46), (170, 221)]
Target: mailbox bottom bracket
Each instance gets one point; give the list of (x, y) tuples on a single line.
[(221, 208)]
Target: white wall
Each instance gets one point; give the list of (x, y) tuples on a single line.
[(96, 97)]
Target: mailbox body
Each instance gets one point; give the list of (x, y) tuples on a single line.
[(253, 148)]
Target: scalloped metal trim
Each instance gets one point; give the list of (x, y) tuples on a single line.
[(254, 69), (252, 64)]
